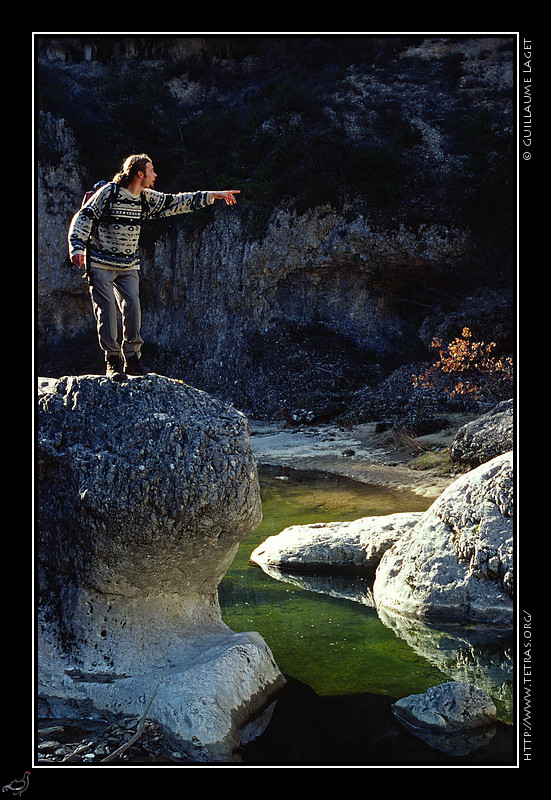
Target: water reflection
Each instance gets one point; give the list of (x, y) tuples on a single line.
[(479, 655), (361, 730), (455, 743), (355, 588), (326, 634)]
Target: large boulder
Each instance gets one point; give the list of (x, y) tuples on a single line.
[(144, 490), (451, 563), (457, 563), (486, 437), (350, 547)]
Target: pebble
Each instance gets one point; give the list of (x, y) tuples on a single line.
[(47, 746)]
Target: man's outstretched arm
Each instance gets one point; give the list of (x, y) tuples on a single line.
[(167, 205)]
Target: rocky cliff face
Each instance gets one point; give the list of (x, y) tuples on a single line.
[(367, 215)]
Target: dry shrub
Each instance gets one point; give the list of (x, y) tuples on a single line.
[(466, 370)]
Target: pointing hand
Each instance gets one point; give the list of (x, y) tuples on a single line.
[(227, 195)]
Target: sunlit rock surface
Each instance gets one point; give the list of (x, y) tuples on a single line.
[(145, 489), (457, 563)]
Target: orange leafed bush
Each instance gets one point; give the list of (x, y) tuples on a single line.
[(469, 370)]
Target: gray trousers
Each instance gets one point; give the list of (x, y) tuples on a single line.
[(115, 291)]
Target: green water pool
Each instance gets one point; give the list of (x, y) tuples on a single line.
[(334, 645)]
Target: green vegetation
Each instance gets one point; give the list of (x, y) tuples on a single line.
[(437, 458), (271, 142)]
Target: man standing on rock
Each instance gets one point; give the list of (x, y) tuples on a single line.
[(103, 238)]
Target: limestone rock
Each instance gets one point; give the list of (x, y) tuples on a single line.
[(486, 437), (452, 706), (457, 563), (354, 547), (352, 248), (145, 489)]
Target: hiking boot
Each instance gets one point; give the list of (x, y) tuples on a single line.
[(114, 368), (134, 366)]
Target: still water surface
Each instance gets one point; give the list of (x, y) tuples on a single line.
[(333, 647)]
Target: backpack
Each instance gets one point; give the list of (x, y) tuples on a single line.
[(90, 192), (112, 196), (105, 210)]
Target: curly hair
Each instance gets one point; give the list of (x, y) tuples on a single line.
[(131, 166)]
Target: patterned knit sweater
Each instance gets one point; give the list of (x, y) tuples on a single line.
[(114, 241)]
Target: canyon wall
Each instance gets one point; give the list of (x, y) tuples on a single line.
[(372, 219)]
